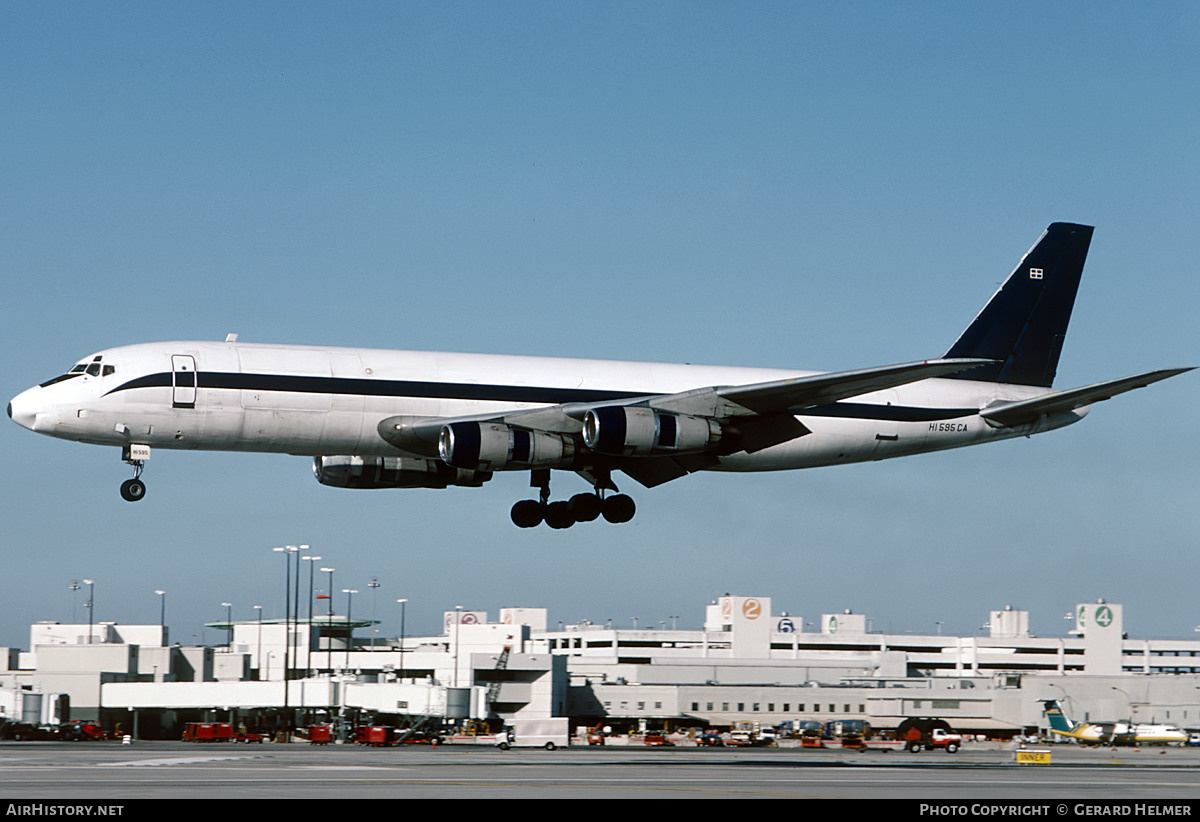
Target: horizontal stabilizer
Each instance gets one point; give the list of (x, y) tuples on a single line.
[(1025, 411)]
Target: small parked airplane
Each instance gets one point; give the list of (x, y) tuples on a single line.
[(411, 419), (1110, 733)]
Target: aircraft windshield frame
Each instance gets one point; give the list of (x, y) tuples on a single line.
[(92, 368)]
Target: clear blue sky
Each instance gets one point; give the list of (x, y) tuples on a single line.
[(809, 185)]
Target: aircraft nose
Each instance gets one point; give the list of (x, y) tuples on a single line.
[(23, 408)]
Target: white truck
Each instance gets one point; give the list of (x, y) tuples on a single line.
[(535, 733)]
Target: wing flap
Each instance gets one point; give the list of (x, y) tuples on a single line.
[(802, 392), (652, 471)]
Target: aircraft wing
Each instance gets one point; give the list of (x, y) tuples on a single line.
[(803, 392), (762, 414), (1025, 411)]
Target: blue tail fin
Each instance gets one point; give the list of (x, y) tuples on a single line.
[(1024, 324), (1058, 719)]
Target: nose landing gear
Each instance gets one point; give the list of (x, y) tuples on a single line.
[(132, 490), (528, 513)]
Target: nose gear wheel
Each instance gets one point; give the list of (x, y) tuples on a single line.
[(132, 490)]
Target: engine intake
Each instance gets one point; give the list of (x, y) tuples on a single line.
[(392, 472), (628, 431), (490, 446)]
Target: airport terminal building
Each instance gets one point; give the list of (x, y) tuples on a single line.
[(745, 665)]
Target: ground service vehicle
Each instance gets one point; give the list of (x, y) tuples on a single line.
[(535, 733), (915, 740), (208, 732), (856, 741)]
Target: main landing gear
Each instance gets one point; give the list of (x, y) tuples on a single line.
[(132, 490), (529, 513)]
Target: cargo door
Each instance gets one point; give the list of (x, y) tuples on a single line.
[(183, 381)]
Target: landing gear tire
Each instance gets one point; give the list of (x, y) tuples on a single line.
[(585, 507), (618, 508), (558, 515), (132, 490), (528, 513)]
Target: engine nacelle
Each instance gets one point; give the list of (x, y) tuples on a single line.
[(392, 472), (491, 446), (629, 431)]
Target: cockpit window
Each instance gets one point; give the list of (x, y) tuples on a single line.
[(94, 368), (74, 372)]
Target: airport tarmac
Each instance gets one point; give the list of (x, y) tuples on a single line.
[(111, 772)]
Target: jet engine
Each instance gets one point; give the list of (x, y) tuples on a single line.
[(490, 446), (392, 472), (629, 431)]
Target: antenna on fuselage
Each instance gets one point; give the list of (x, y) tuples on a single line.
[(231, 338)]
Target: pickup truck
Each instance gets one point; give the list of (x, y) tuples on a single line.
[(915, 741)]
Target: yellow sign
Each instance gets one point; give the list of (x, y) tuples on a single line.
[(1033, 757)]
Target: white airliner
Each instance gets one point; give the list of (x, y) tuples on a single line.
[(1111, 733), (413, 419)]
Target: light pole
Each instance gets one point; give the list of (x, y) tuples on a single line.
[(457, 622), (90, 605), (1132, 706), (74, 589), (402, 602), (312, 562), (258, 655), (287, 551), (162, 611), (374, 586), (349, 592), (329, 622), (296, 608), (228, 606)]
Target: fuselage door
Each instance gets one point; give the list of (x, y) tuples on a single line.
[(183, 381), (887, 424)]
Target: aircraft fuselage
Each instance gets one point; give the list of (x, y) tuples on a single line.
[(310, 400)]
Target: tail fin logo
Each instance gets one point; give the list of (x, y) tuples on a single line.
[(1035, 273)]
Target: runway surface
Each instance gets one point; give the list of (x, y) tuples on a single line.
[(105, 771)]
